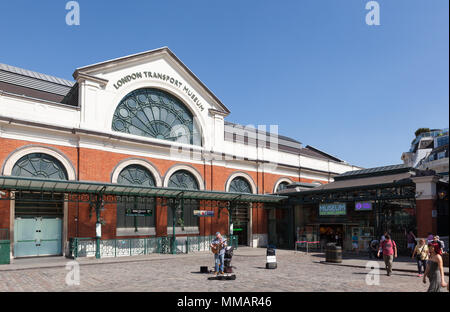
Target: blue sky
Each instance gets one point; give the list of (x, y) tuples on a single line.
[(313, 67)]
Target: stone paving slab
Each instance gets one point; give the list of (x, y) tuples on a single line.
[(181, 273)]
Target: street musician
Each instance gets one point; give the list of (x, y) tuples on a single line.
[(218, 248)]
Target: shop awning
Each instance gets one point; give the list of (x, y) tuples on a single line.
[(9, 183)]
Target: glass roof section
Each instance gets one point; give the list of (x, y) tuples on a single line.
[(84, 187)]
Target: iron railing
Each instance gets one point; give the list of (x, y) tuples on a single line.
[(120, 247)]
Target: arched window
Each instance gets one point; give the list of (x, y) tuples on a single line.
[(240, 185), (282, 186), (185, 219), (39, 165), (156, 114), (183, 179), (127, 218), (136, 175), (43, 166)]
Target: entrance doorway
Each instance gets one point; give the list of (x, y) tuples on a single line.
[(331, 233), (38, 225), (240, 219), (37, 236)]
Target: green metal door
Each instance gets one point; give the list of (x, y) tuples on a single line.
[(25, 240), (50, 236), (37, 236)]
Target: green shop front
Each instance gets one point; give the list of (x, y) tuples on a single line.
[(356, 208)]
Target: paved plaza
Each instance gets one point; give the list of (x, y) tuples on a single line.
[(180, 273)]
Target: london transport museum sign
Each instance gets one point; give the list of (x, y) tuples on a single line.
[(161, 76)]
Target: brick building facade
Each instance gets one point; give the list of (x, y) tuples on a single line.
[(144, 118)]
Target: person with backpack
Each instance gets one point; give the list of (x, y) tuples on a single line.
[(421, 254), (389, 249), (440, 242), (373, 248), (439, 245)]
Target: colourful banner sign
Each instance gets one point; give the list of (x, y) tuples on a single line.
[(334, 209), (363, 206), (203, 213)]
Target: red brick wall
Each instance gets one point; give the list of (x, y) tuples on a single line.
[(4, 214), (425, 222), (96, 165)]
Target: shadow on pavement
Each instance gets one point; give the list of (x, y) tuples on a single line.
[(365, 258), (393, 274)]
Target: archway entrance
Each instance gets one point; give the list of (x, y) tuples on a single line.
[(240, 218)]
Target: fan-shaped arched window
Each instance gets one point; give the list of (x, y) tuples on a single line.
[(185, 218), (127, 219), (183, 179), (240, 185), (156, 114), (39, 165), (136, 175), (282, 186)]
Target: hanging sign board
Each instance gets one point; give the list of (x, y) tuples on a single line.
[(139, 212), (333, 209), (363, 206), (203, 213)]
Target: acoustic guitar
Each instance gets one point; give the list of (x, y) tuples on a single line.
[(217, 247)]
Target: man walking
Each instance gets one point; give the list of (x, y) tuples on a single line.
[(389, 249), (218, 246)]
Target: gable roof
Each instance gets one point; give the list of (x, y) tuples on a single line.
[(164, 50), (322, 153)]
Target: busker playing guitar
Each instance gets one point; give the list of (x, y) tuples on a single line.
[(218, 248)]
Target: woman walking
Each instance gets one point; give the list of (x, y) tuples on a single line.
[(435, 271), (421, 254)]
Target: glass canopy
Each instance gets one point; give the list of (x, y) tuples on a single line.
[(83, 187)]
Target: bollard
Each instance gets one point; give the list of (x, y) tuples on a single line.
[(271, 260)]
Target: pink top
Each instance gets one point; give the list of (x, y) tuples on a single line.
[(388, 247)]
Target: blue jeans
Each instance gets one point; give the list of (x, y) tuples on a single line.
[(420, 264), (219, 259)]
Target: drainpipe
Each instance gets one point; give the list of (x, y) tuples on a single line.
[(174, 247)]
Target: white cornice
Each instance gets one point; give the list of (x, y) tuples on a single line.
[(80, 76)]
